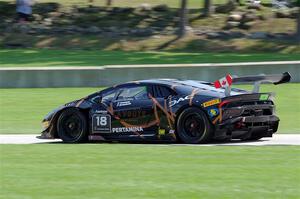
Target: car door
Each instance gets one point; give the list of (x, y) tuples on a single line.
[(163, 95), (101, 116), (134, 109)]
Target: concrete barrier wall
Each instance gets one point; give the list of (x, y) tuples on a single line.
[(40, 77)]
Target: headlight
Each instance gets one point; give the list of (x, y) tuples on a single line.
[(48, 118), (45, 125)]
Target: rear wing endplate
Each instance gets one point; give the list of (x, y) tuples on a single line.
[(258, 79)]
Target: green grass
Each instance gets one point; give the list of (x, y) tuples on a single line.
[(19, 58), (21, 110), (60, 171)]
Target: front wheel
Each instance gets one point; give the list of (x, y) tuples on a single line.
[(72, 126), (193, 126)]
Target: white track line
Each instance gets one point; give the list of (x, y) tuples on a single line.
[(24, 139), (277, 139)]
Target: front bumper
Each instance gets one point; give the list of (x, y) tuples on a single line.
[(245, 127)]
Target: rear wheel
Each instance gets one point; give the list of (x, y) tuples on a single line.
[(193, 126), (72, 126)]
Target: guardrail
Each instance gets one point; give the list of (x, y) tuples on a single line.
[(95, 76)]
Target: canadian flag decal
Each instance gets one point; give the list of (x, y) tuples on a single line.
[(223, 82)]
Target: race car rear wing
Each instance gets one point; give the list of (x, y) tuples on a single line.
[(257, 79)]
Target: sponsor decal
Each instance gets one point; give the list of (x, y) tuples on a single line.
[(171, 131), (211, 102), (213, 112), (101, 111), (161, 131), (174, 102), (263, 97), (127, 129), (126, 103), (131, 114), (101, 123)]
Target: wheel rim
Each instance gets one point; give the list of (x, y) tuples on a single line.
[(72, 126), (193, 126)]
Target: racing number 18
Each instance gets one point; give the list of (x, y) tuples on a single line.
[(101, 123), (101, 120)]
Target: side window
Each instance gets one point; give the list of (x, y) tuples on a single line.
[(161, 92), (138, 93), (108, 96)]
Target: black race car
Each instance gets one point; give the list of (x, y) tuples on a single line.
[(172, 110)]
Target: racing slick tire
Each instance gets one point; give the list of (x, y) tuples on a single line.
[(193, 126), (72, 126)]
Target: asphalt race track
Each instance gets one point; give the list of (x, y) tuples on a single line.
[(277, 139)]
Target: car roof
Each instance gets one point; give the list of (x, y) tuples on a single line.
[(178, 85), (171, 83), (167, 82)]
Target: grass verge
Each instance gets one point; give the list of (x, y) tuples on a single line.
[(59, 171), (20, 58), (21, 110)]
